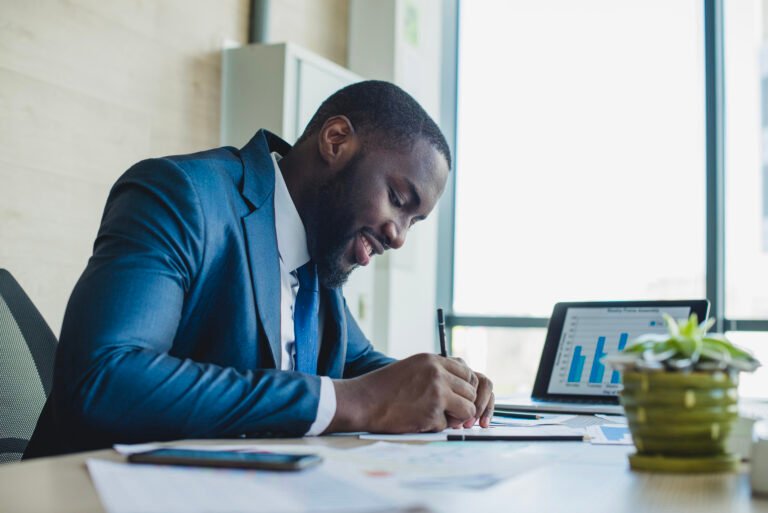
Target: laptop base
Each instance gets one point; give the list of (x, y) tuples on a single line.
[(528, 404)]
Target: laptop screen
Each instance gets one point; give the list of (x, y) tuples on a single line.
[(590, 333), (580, 334)]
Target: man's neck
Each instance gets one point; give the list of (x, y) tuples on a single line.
[(297, 170)]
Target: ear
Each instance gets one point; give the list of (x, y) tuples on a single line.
[(337, 142)]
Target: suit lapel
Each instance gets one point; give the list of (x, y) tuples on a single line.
[(264, 261), (260, 236)]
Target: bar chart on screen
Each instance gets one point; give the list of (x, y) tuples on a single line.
[(589, 334)]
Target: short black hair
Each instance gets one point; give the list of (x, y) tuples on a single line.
[(380, 108)]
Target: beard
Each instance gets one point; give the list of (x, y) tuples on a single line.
[(332, 226)]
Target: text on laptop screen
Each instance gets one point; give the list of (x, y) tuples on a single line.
[(589, 334)]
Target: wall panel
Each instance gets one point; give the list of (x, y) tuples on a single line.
[(87, 88)]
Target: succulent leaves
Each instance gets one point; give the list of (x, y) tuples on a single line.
[(686, 347)]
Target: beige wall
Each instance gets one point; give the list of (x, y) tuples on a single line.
[(318, 25), (88, 87)]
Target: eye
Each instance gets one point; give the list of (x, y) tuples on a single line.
[(394, 199), (416, 219)]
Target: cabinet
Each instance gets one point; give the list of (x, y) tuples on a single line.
[(279, 87)]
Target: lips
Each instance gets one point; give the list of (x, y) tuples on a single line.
[(366, 246), (363, 250)]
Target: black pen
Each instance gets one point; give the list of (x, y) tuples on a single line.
[(490, 437), (441, 331)]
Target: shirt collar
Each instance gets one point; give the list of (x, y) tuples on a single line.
[(291, 235)]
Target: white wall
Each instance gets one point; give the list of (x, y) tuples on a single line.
[(317, 25), (400, 41)]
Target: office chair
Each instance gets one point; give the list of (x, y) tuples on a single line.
[(27, 349)]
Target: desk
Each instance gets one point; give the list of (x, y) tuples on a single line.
[(580, 478)]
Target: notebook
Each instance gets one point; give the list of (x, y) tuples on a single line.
[(571, 377)]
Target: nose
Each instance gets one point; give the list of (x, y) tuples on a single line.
[(395, 236)]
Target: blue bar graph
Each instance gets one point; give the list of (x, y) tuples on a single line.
[(596, 375), (615, 433), (615, 376), (577, 366)]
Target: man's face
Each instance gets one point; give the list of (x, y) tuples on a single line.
[(368, 207)]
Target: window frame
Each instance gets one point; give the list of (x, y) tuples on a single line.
[(714, 83)]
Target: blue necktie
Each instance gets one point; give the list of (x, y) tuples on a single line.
[(305, 315)]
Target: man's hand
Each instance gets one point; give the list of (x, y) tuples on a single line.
[(484, 402), (422, 393)]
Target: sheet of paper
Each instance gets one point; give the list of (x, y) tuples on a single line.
[(613, 419), (447, 465), (131, 488), (609, 434), (440, 436), (544, 421), (507, 430)]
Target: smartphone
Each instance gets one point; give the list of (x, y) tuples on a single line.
[(231, 459)]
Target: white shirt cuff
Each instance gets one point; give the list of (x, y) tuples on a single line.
[(326, 408)]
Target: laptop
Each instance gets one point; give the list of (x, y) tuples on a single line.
[(571, 377)]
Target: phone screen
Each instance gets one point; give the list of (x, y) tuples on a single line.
[(257, 460)]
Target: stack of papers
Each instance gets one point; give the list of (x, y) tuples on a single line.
[(130, 488), (371, 478)]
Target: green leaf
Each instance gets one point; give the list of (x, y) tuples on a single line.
[(686, 346), (672, 327), (705, 325)]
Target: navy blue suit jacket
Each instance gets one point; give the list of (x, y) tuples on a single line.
[(173, 330)]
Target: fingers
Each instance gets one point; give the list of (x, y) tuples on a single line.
[(453, 422), (457, 367), (461, 387), (460, 404), (485, 419), (484, 399), (459, 395), (484, 403), (459, 408), (474, 381)]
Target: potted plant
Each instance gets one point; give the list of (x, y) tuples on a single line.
[(680, 397)]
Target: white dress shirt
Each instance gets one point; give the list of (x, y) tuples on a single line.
[(292, 247)]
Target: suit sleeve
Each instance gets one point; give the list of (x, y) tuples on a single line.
[(361, 356), (115, 360)]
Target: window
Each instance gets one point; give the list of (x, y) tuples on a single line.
[(510, 356), (582, 166), (746, 165), (591, 134)]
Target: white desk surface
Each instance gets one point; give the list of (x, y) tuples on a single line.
[(580, 478)]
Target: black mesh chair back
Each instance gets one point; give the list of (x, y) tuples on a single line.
[(27, 350)]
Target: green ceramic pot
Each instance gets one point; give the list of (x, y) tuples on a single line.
[(680, 421)]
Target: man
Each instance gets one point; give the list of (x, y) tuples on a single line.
[(211, 306)]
